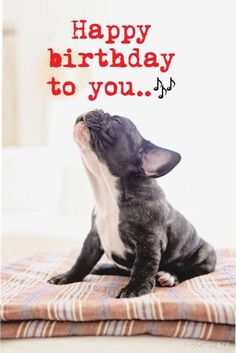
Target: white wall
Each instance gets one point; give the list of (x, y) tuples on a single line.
[(196, 118)]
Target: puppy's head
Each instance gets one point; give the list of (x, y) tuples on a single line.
[(117, 143)]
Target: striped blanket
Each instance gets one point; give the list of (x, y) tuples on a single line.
[(202, 307)]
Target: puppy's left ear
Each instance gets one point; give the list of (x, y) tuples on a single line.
[(157, 161)]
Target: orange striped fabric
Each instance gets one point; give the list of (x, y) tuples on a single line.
[(202, 307), (184, 329)]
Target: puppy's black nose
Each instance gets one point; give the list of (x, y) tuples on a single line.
[(79, 119)]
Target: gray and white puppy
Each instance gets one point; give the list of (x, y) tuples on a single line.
[(132, 223)]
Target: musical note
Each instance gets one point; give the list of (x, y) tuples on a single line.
[(162, 92), (171, 82), (158, 82)]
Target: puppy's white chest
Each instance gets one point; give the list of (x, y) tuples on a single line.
[(107, 223), (106, 204), (107, 214)]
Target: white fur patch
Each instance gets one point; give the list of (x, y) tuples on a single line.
[(165, 279), (106, 206), (107, 214)]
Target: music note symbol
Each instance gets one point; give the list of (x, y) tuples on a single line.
[(171, 82), (158, 82), (162, 92)]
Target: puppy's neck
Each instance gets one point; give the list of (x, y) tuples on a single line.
[(103, 183)]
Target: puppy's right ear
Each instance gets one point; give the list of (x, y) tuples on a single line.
[(157, 161)]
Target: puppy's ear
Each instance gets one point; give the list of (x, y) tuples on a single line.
[(157, 161)]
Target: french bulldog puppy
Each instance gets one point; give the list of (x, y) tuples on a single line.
[(132, 222)]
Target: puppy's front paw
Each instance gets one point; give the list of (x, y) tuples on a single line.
[(63, 278), (131, 291), (165, 279)]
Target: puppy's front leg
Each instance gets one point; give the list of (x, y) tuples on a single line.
[(144, 270), (89, 256)]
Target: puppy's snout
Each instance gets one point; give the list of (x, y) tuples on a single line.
[(92, 117)]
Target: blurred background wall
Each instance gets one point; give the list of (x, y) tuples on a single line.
[(45, 191)]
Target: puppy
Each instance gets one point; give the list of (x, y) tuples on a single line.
[(132, 223)]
